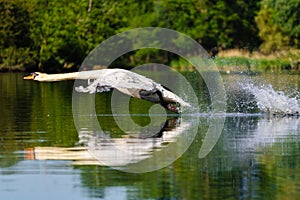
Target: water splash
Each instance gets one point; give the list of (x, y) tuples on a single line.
[(271, 101)]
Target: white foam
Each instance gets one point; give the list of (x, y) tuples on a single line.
[(269, 100)]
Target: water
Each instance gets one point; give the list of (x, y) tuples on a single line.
[(269, 100), (255, 94), (256, 156)]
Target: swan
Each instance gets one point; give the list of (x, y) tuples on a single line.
[(127, 82)]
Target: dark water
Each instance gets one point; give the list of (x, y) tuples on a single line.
[(42, 156)]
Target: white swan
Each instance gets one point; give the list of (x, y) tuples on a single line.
[(127, 82)]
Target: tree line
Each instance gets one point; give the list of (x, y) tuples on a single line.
[(59, 34)]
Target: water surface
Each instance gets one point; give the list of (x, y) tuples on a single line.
[(42, 157)]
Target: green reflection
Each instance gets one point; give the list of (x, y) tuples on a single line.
[(256, 157)]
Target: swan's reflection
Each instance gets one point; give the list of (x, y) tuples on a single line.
[(243, 137), (100, 149)]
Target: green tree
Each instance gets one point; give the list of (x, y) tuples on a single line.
[(65, 32), (279, 24), (14, 33), (215, 24), (57, 35), (183, 16), (229, 24), (56, 28)]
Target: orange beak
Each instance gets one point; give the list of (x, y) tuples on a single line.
[(30, 77), (29, 154)]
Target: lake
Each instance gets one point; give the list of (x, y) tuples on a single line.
[(245, 153)]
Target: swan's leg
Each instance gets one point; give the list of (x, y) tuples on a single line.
[(150, 96), (156, 97)]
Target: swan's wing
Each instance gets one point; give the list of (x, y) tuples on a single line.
[(118, 78), (125, 81), (128, 83), (131, 83)]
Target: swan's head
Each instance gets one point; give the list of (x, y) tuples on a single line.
[(34, 76)]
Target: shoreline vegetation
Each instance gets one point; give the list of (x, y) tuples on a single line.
[(56, 36), (228, 61), (236, 61)]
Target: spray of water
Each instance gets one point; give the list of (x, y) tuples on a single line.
[(271, 101)]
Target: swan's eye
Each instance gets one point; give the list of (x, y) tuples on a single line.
[(34, 74)]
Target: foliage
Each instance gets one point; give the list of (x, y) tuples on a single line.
[(14, 33), (241, 64), (279, 24), (58, 35), (215, 24), (252, 64), (229, 24)]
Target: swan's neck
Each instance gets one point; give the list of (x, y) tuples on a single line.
[(94, 74), (57, 77)]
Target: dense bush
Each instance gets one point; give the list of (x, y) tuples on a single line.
[(58, 34)]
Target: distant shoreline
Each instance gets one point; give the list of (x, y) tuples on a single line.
[(227, 61)]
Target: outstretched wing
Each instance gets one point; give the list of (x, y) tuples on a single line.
[(129, 83), (126, 82)]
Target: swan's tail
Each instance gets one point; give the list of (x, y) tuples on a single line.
[(169, 96)]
